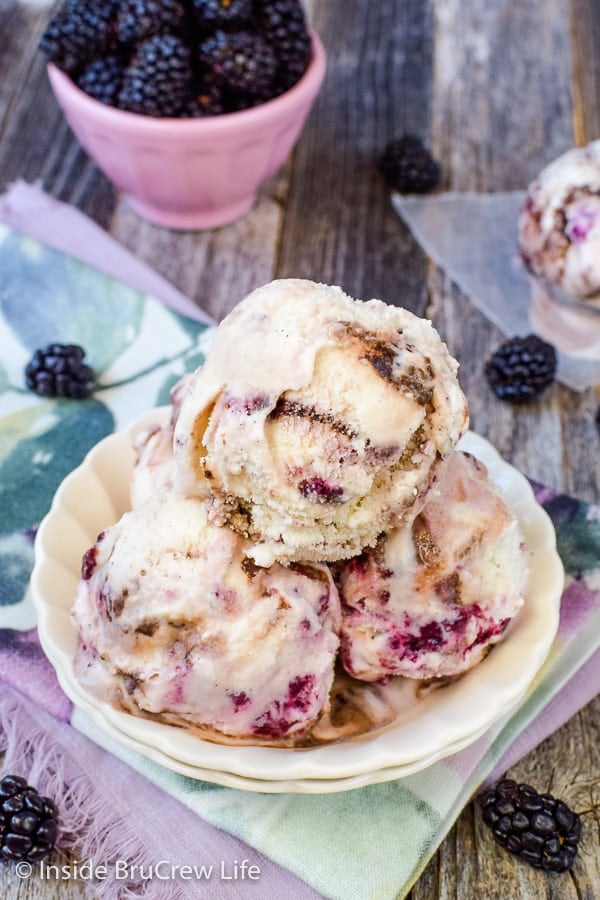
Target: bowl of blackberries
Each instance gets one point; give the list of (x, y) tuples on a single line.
[(187, 106)]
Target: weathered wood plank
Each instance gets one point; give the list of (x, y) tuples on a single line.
[(35, 141), (585, 36), (339, 225), (502, 90), (504, 93), (217, 268), (471, 864), (502, 108), (47, 888)]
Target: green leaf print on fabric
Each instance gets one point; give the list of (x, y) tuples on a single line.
[(202, 338), (59, 436), (4, 381), (163, 398), (15, 425), (16, 562), (49, 297), (190, 326), (577, 532)]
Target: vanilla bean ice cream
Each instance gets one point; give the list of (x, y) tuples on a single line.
[(317, 421), (433, 597), (177, 622)]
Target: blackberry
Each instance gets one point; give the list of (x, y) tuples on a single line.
[(536, 827), (80, 30), (28, 822), (283, 24), (159, 79), (59, 371), (521, 368), (408, 166), (207, 101), (243, 64), (102, 79), (210, 15), (139, 20)]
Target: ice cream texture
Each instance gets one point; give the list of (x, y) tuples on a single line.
[(317, 421), (432, 598), (321, 429), (559, 225), (154, 470), (177, 622)]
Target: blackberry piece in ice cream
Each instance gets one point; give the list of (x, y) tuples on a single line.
[(408, 166), (433, 596), (28, 821), (177, 622), (59, 370), (329, 426), (521, 368), (159, 79), (537, 828)]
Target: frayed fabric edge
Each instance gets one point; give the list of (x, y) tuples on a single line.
[(91, 827)]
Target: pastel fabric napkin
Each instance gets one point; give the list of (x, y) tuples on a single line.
[(368, 844)]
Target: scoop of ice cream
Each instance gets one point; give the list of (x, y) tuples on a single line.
[(433, 596), (559, 225), (154, 469), (317, 420), (176, 621)]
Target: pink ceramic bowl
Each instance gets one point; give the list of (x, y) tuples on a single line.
[(190, 173)]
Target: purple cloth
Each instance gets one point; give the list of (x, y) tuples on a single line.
[(145, 826), (34, 213)]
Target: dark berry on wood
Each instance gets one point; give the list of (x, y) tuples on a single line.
[(408, 166), (538, 828), (520, 369)]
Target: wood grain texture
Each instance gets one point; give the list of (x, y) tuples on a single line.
[(504, 104), (200, 264), (36, 144), (502, 90), (585, 37), (470, 863), (502, 108), (47, 887), (339, 226)]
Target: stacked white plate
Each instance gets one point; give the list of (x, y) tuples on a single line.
[(444, 721)]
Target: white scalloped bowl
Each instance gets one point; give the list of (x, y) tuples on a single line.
[(97, 493)]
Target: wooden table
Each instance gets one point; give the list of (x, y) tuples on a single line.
[(497, 89)]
